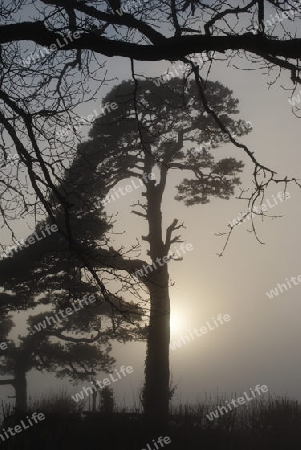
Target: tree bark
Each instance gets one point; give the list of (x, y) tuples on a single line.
[(20, 385), (162, 47), (157, 375), (94, 398)]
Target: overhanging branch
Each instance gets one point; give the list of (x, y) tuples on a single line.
[(169, 49)]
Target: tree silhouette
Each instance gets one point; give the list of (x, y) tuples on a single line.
[(51, 270), (193, 27), (31, 114), (160, 130), (37, 103), (77, 361)]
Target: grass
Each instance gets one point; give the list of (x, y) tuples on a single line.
[(59, 403), (261, 424)]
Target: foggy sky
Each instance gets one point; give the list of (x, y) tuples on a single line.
[(260, 345)]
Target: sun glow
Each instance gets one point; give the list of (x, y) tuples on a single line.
[(177, 323)]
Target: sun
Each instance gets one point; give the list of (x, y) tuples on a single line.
[(177, 323)]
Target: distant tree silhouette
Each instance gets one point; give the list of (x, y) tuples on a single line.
[(51, 270), (78, 362), (107, 401)]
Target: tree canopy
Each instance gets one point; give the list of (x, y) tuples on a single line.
[(53, 57)]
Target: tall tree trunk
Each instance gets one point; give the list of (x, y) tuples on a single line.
[(20, 385), (157, 375), (94, 398)]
